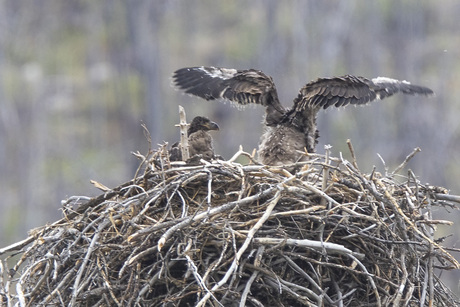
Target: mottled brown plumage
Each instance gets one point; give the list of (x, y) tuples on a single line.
[(199, 140), (288, 131)]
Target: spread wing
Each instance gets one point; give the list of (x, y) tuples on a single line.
[(340, 91), (241, 87)]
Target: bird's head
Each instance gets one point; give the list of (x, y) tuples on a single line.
[(202, 123)]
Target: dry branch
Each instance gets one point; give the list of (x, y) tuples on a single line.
[(183, 135)]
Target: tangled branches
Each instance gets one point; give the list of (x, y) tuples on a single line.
[(223, 234)]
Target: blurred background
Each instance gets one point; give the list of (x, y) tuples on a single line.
[(79, 77)]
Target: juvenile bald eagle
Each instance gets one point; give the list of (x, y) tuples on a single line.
[(288, 131), (199, 140)]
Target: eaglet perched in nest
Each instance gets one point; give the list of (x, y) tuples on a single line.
[(199, 140)]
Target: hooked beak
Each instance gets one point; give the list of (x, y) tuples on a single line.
[(212, 126)]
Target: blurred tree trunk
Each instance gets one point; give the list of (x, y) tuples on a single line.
[(144, 19)]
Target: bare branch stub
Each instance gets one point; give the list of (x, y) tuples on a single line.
[(183, 134)]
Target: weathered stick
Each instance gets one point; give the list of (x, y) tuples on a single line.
[(183, 134)]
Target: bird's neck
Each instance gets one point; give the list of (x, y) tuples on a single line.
[(273, 116), (305, 122)]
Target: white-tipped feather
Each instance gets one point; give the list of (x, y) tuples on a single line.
[(222, 73), (388, 80)]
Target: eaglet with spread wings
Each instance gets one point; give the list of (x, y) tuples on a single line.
[(288, 131)]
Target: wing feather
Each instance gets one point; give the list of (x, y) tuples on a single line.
[(238, 86), (241, 87), (344, 90)]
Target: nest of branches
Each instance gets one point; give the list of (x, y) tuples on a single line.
[(224, 234)]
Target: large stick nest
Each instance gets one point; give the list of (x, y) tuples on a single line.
[(224, 234)]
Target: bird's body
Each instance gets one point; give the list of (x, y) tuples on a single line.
[(281, 145), (200, 143), (199, 140), (289, 132)]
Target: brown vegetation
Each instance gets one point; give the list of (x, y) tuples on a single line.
[(225, 234)]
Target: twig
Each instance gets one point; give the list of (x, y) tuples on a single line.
[(332, 248), (402, 285), (210, 213), (369, 278), (254, 274), (309, 279), (199, 279), (385, 167), (454, 198), (404, 163), (243, 248), (320, 193), (241, 152), (352, 152), (396, 207), (327, 148), (17, 246), (76, 288)]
